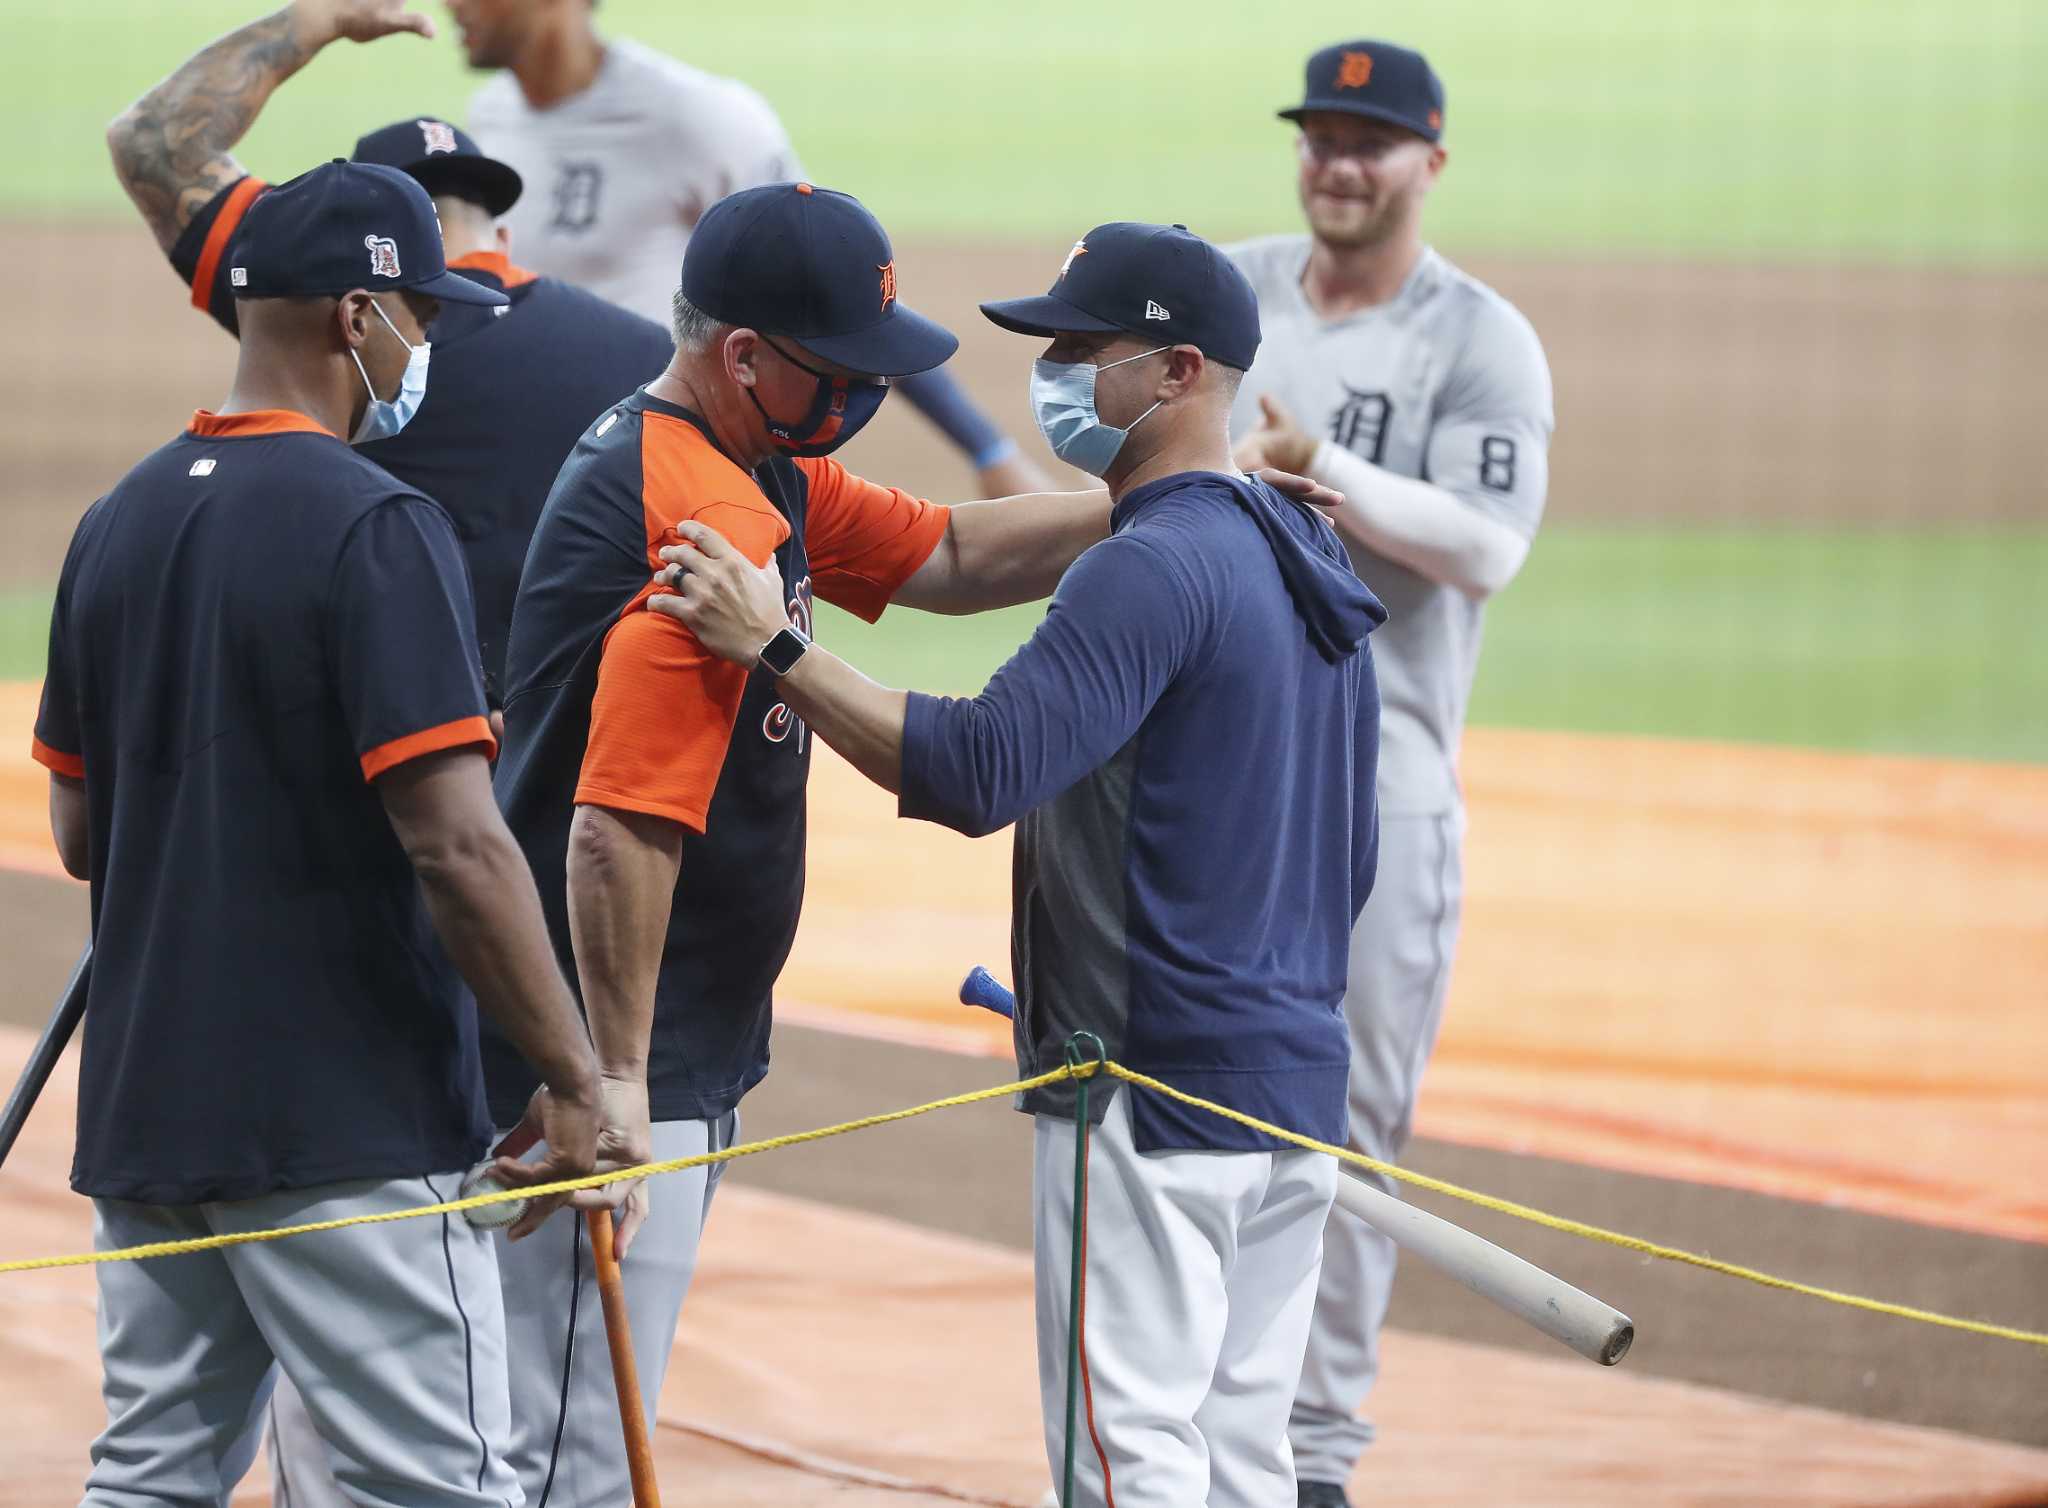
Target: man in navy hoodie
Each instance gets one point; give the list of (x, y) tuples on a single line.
[(1188, 746)]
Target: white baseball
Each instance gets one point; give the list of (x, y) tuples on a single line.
[(489, 1216)]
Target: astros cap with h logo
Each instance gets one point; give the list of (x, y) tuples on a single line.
[(1377, 80), (1160, 282), (343, 226)]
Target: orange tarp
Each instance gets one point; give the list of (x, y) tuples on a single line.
[(835, 1358), (1821, 976)]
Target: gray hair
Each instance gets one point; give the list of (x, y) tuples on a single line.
[(693, 329)]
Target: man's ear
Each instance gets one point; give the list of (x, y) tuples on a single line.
[(352, 316), (739, 350), (1184, 368)]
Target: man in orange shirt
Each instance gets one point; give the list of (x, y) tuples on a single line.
[(657, 790)]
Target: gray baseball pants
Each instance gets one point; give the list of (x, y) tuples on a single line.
[(394, 1332), (565, 1444), (1400, 969)]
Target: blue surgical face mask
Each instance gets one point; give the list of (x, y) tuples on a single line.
[(385, 417), (1063, 399)]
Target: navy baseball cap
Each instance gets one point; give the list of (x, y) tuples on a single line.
[(1377, 80), (343, 226), (1149, 280), (444, 159), (811, 264)]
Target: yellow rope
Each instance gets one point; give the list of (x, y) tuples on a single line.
[(1577, 1227), (1115, 1070), (531, 1191)]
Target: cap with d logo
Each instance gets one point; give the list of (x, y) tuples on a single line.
[(813, 265), (1377, 80), (443, 159), (1145, 280), (343, 226)]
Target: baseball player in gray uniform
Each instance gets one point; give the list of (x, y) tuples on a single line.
[(1423, 396), (626, 148)]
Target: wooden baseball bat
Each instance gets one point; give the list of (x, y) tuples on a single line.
[(1596, 1330), (42, 1058), (611, 1289)]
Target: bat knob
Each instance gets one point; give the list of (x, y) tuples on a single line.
[(983, 989)]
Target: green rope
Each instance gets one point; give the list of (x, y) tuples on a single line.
[(1078, 1255)]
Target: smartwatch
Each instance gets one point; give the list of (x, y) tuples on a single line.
[(781, 653)]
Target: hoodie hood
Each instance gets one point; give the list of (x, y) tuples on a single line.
[(1339, 609)]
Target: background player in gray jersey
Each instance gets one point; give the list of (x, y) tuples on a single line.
[(1423, 396), (624, 149)]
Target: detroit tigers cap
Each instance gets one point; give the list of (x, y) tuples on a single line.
[(444, 159), (1148, 280), (812, 264), (1378, 80), (342, 226)]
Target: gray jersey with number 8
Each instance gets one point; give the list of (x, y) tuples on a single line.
[(1445, 382)]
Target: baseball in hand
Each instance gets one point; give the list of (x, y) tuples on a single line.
[(489, 1216)]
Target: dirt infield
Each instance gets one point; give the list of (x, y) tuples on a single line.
[(899, 1371), (1864, 395), (1784, 1005)]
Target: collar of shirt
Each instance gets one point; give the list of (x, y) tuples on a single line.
[(258, 421)]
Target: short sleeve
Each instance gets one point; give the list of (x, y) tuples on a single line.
[(665, 705), (201, 253), (1490, 446), (865, 540), (403, 638), (58, 743)]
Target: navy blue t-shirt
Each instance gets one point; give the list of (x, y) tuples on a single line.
[(509, 391), (253, 626)]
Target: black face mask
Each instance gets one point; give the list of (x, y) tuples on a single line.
[(838, 412)]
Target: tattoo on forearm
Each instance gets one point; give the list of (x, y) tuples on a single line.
[(171, 146)]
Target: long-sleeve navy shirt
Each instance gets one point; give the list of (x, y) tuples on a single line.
[(1188, 745)]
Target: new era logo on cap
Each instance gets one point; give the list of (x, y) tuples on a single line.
[(1153, 311), (238, 277), (440, 136)]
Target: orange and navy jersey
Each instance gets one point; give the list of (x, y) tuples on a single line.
[(252, 627), (509, 393), (610, 705)]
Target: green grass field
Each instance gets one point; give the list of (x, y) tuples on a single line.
[(1889, 129), (1886, 130), (1895, 641), (1891, 641)]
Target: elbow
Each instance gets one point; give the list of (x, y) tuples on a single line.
[(75, 854), (980, 823), (459, 858), (1492, 565), (123, 133)]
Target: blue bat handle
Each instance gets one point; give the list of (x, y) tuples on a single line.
[(982, 988)]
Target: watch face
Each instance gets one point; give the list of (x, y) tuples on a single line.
[(781, 653)]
